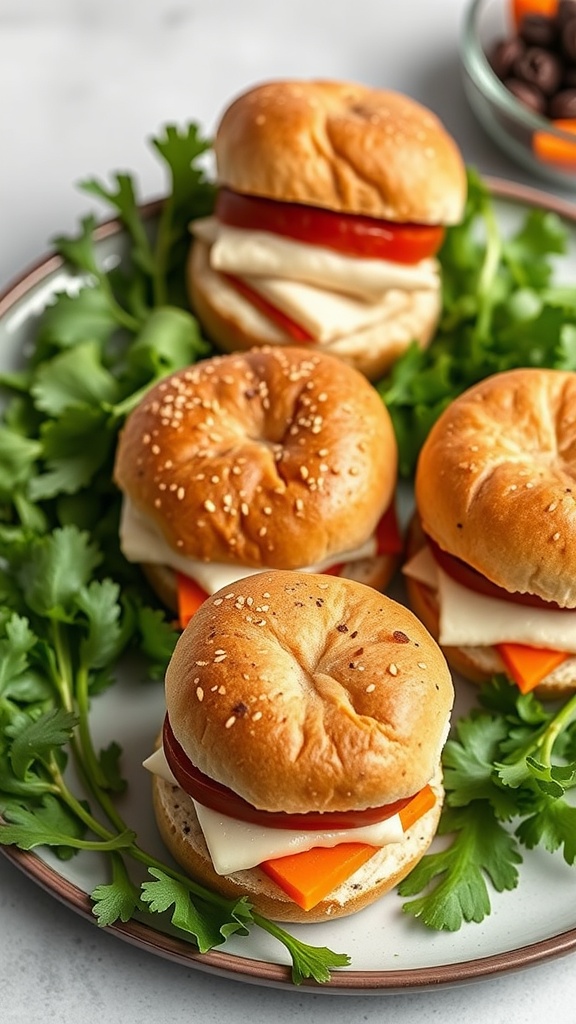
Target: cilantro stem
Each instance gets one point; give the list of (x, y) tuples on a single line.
[(77, 807), (63, 678), (91, 764), (561, 721)]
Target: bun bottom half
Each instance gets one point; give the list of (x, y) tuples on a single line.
[(374, 572), (233, 324), (476, 664), (181, 833)]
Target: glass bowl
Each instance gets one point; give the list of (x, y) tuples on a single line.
[(530, 139)]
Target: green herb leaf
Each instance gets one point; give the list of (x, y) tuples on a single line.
[(117, 901), (480, 849), (208, 929)]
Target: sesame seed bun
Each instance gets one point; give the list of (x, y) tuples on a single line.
[(272, 458), (308, 692), (181, 833), (476, 664), (343, 146), (234, 324), (496, 482)]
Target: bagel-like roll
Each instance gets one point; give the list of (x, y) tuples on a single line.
[(344, 146), (495, 488), (181, 833), (273, 458), (302, 692), (236, 325), (346, 149)]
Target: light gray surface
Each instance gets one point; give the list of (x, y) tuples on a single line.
[(83, 85)]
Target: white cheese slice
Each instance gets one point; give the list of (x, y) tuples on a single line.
[(142, 541), (261, 253), (235, 845), (423, 568), (325, 314), (157, 764), (468, 619)]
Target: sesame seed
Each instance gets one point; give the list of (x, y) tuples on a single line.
[(218, 601), (393, 669), (422, 664), (209, 505), (256, 716), (552, 506), (556, 536), (200, 693), (230, 722), (219, 658), (200, 663), (180, 494), (370, 688)]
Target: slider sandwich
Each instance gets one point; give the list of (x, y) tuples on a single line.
[(275, 458), (332, 204), (300, 755), (492, 550)]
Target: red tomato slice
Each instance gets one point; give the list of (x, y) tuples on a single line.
[(284, 322), (474, 580), (219, 798), (348, 233)]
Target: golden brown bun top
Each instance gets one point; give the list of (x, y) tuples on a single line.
[(270, 458), (343, 146), (309, 692), (496, 482)]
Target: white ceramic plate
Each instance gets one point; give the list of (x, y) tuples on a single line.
[(389, 950)]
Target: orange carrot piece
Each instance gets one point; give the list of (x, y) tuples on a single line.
[(422, 802), (529, 665), (190, 596), (520, 8), (552, 150), (308, 877)]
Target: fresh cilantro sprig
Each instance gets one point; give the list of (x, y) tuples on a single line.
[(500, 310), (78, 628), (508, 774), (70, 606)]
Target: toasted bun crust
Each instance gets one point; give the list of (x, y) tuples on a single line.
[(234, 324), (304, 692), (276, 458), (477, 664), (496, 482), (181, 833), (343, 146)]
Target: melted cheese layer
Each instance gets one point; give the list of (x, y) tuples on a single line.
[(141, 541), (261, 253), (468, 619), (234, 844)]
